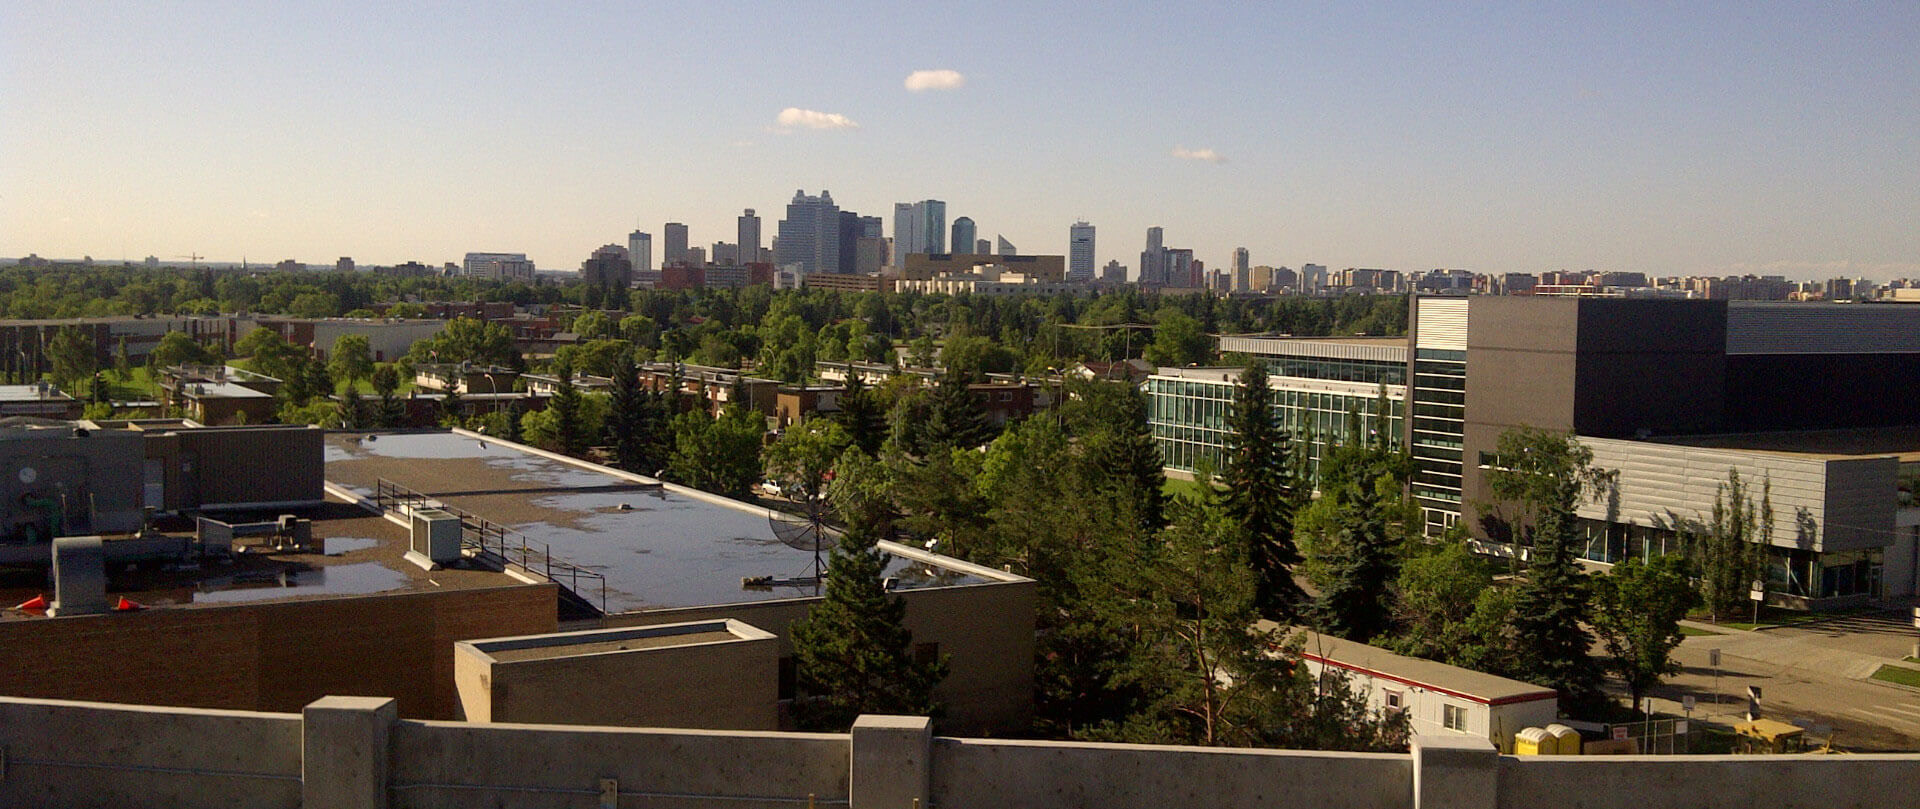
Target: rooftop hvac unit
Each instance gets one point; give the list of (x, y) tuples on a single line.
[(436, 539)]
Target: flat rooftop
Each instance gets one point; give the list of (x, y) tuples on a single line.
[(354, 553), (1875, 442), (658, 546), (1356, 347), (32, 393)]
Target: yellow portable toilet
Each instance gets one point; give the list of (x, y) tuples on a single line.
[(1566, 740), (1534, 742)]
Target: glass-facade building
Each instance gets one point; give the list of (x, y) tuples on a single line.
[(1319, 386)]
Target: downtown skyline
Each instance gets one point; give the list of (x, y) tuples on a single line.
[(1766, 139)]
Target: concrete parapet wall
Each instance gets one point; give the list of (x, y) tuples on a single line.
[(456, 765), (81, 755), (1708, 782), (984, 774), (355, 753)]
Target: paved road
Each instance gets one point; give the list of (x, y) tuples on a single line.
[(1819, 674)]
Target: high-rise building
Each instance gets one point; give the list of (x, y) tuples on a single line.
[(1114, 273), (609, 266), (1003, 247), (982, 247), (1153, 260), (919, 227), (810, 234), (1180, 269), (640, 251), (676, 246), (963, 234), (1080, 252), (848, 231), (749, 242), (1240, 260)]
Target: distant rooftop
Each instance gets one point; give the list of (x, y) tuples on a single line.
[(1359, 347), (1380, 663), (32, 393), (1872, 442), (658, 546)]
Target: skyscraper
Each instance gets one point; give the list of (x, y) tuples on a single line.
[(982, 247), (640, 250), (1003, 247), (1080, 252), (810, 234), (676, 246), (749, 241), (963, 235), (918, 227), (1153, 260), (1242, 275)]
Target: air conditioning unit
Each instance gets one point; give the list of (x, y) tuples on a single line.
[(436, 538)]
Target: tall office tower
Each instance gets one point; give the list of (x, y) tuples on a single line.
[(1179, 268), (726, 255), (697, 256), (1313, 278), (1242, 274), (872, 227), (1240, 261), (963, 234), (1003, 247), (918, 227), (609, 266), (1080, 253), (640, 251), (1114, 273), (982, 247), (676, 247), (810, 235), (869, 254), (848, 230), (749, 241), (1153, 260)]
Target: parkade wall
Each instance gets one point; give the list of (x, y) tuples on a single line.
[(356, 753), (270, 657)]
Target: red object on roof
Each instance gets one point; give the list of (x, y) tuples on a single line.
[(128, 605)]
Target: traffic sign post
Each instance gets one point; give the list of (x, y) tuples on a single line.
[(1713, 659)]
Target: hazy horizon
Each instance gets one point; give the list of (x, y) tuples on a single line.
[(1771, 139)]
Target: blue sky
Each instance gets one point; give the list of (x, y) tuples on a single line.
[(1665, 138)]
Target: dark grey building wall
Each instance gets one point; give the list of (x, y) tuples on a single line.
[(1821, 391)]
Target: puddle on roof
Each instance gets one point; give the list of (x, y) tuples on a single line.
[(356, 579), (422, 445), (339, 546)]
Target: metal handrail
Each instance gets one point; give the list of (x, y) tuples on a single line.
[(485, 536)]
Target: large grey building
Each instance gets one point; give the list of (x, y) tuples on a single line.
[(964, 233), (640, 250), (1814, 400), (919, 227), (749, 237), (1080, 253), (810, 234), (675, 251)]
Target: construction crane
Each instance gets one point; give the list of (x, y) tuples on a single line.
[(193, 257)]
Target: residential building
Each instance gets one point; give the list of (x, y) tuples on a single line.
[(1437, 699), (1080, 253), (810, 234), (499, 266)]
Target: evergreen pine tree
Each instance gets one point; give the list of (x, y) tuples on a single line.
[(566, 410), (954, 418), (1548, 473), (861, 417), (1261, 490), (1356, 603), (627, 416), (853, 653), (1128, 456)]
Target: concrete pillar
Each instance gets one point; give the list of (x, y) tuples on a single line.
[(79, 576), (344, 752), (892, 762), (1455, 772)]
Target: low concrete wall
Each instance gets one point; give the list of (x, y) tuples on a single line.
[(1708, 782), (457, 765), (978, 774), (81, 755), (355, 753)]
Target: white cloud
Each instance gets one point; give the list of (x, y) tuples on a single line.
[(793, 118), (935, 80), (1206, 155)]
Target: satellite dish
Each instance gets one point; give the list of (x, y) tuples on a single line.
[(805, 532)]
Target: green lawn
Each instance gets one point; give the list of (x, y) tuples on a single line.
[(1898, 675), (1181, 488), (140, 385)]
